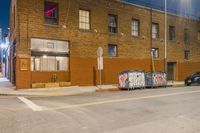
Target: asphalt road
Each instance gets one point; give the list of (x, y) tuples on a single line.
[(164, 110)]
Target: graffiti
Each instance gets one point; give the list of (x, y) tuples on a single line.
[(136, 79), (159, 79), (123, 80)]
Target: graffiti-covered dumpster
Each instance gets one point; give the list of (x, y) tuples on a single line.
[(148, 80), (131, 79), (156, 79), (159, 79)]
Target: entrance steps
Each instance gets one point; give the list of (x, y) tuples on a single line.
[(51, 85)]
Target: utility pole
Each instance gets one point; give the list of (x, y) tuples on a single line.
[(165, 41)]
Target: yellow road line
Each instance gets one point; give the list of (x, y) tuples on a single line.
[(121, 100)]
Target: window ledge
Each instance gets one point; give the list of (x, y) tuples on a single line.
[(85, 30), (113, 34), (138, 37), (155, 39), (51, 25), (110, 57), (156, 59), (173, 41)]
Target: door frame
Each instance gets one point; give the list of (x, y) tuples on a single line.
[(174, 69)]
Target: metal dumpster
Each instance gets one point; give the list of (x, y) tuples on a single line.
[(148, 80), (156, 79), (131, 79), (159, 79)]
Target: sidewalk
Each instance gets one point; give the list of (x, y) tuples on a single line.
[(6, 88), (175, 83), (63, 91)]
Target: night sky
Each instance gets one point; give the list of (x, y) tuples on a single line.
[(192, 8), (4, 13)]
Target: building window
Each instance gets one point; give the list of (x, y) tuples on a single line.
[(49, 55), (198, 35), (51, 13), (112, 26), (84, 19), (187, 55), (135, 27), (172, 33), (155, 53), (186, 36), (112, 50), (155, 30), (49, 63)]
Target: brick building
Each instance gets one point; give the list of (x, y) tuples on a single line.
[(57, 41)]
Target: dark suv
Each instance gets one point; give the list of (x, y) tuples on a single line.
[(193, 79)]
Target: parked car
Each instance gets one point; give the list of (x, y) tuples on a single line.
[(193, 79)]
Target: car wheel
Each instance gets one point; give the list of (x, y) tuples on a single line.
[(188, 84), (198, 81)]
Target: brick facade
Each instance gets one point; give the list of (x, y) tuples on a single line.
[(133, 52)]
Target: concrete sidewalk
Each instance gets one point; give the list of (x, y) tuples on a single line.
[(49, 91), (6, 88)]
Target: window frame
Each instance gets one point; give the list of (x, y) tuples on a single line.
[(157, 29), (116, 54), (46, 18), (152, 54), (198, 35), (116, 22), (133, 26), (186, 36), (41, 63), (85, 22), (172, 37), (187, 54)]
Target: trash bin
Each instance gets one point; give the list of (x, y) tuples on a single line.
[(159, 79), (156, 79), (131, 79), (149, 80)]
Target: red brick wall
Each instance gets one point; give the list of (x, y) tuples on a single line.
[(133, 52)]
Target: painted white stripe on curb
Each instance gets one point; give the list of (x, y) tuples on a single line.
[(30, 104)]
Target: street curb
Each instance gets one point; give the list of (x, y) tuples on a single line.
[(107, 89)]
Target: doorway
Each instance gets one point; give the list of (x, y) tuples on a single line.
[(171, 71)]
